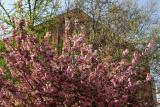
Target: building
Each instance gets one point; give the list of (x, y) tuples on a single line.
[(96, 32)]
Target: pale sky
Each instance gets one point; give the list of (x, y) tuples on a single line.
[(8, 4)]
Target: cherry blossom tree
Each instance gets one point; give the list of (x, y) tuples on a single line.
[(34, 75)]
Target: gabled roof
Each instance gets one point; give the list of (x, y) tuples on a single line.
[(59, 20), (57, 23)]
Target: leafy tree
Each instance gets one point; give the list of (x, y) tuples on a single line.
[(34, 11), (124, 19)]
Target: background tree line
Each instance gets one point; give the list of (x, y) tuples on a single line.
[(114, 23)]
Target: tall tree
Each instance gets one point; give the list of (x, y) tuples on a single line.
[(34, 11)]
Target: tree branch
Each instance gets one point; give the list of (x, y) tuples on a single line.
[(5, 11), (34, 11), (30, 10)]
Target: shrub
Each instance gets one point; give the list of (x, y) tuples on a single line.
[(80, 76)]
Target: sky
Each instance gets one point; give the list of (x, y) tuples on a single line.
[(156, 4), (141, 3)]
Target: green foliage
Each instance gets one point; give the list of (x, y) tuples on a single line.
[(7, 74), (2, 62), (34, 11), (2, 47), (41, 57)]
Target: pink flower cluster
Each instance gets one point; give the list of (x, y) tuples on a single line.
[(80, 77)]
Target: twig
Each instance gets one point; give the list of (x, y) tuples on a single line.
[(9, 17), (34, 11), (30, 10)]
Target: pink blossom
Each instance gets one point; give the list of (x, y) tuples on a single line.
[(121, 78), (136, 55), (78, 42), (148, 77), (114, 82), (143, 53), (149, 45), (1, 71), (129, 82), (138, 82), (48, 34), (134, 61), (95, 53), (125, 52)]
